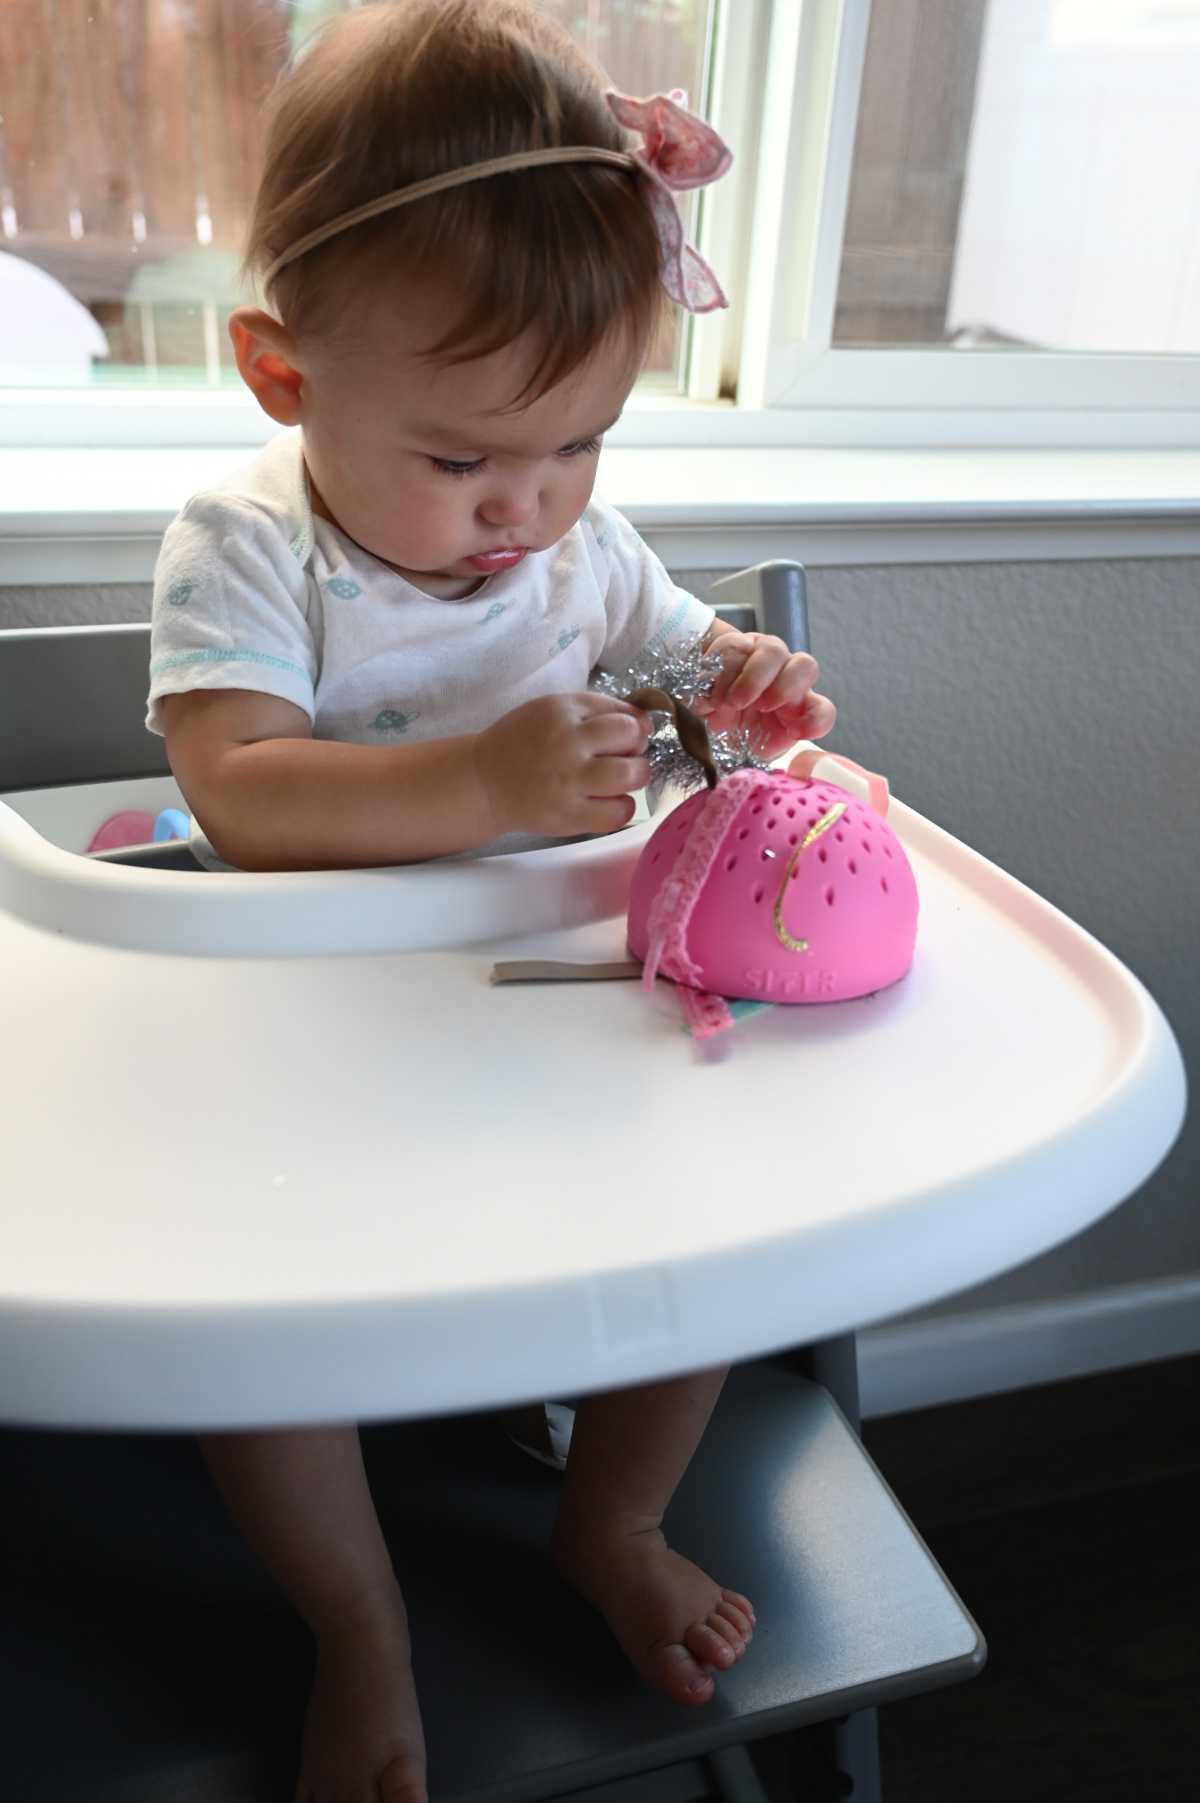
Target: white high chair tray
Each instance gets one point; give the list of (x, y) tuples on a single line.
[(275, 1151)]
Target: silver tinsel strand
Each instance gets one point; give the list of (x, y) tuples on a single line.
[(687, 671)]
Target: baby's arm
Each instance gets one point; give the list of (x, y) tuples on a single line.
[(271, 797), (762, 684)]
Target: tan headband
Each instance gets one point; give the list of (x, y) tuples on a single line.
[(454, 178)]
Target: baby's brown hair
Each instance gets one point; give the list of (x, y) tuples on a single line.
[(391, 94)]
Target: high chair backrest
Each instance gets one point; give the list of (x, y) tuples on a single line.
[(72, 706), (73, 698), (769, 597)]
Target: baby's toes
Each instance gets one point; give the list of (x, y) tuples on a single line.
[(737, 1618), (729, 1632), (740, 1602), (712, 1642), (673, 1669)]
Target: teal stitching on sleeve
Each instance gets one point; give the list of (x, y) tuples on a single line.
[(668, 628), (343, 588), (177, 658), (180, 593)]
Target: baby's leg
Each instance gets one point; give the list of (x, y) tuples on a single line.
[(629, 1450), (301, 1498)]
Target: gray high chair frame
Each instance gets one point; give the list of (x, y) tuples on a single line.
[(148, 1658)]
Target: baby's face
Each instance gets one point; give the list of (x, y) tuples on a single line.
[(425, 466)]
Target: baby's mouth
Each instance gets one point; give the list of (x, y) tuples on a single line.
[(499, 559)]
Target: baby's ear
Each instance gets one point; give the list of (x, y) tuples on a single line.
[(265, 353)]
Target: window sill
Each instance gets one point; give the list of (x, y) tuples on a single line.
[(96, 515)]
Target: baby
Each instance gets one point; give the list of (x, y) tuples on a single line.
[(374, 645)]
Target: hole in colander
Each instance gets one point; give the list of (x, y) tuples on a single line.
[(823, 855), (887, 851), (792, 838), (791, 813), (745, 833), (766, 852), (852, 867), (883, 885), (839, 837), (758, 892), (829, 896), (757, 809), (770, 823), (867, 846), (731, 863), (656, 857)]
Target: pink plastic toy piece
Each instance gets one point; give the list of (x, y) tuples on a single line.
[(129, 828), (774, 888)]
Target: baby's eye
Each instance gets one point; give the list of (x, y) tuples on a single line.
[(585, 447), (452, 466)]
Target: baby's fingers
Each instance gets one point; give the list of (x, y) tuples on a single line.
[(625, 732), (605, 776), (756, 675), (779, 731), (598, 815), (791, 684)]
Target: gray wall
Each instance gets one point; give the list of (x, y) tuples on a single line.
[(1049, 715)]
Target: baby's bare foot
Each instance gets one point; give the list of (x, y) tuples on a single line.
[(363, 1741), (671, 1620)]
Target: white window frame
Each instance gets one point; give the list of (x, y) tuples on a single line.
[(783, 87), (988, 397)]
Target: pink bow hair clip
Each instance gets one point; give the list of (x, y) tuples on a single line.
[(678, 151)]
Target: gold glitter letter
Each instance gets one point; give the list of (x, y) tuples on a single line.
[(822, 826)]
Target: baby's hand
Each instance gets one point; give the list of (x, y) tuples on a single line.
[(564, 764), (768, 688)]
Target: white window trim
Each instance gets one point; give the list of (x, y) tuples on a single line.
[(94, 517), (74, 419), (969, 397)]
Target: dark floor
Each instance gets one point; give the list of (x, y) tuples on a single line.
[(1067, 1517)]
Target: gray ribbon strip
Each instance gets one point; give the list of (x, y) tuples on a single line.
[(547, 970)]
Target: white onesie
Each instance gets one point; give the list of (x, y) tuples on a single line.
[(254, 591)]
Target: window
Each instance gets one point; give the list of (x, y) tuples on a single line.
[(988, 222), (130, 133), (948, 221), (1024, 177)]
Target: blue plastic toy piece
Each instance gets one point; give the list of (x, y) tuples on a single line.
[(172, 823)]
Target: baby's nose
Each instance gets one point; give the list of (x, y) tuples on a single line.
[(510, 506)]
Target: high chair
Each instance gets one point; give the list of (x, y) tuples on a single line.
[(148, 1657)]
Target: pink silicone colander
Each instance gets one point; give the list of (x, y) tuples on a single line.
[(776, 888)]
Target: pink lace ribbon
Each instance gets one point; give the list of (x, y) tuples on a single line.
[(671, 911)]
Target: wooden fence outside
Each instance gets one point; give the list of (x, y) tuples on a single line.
[(131, 132)]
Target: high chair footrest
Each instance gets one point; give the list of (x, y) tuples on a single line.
[(146, 1658)]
